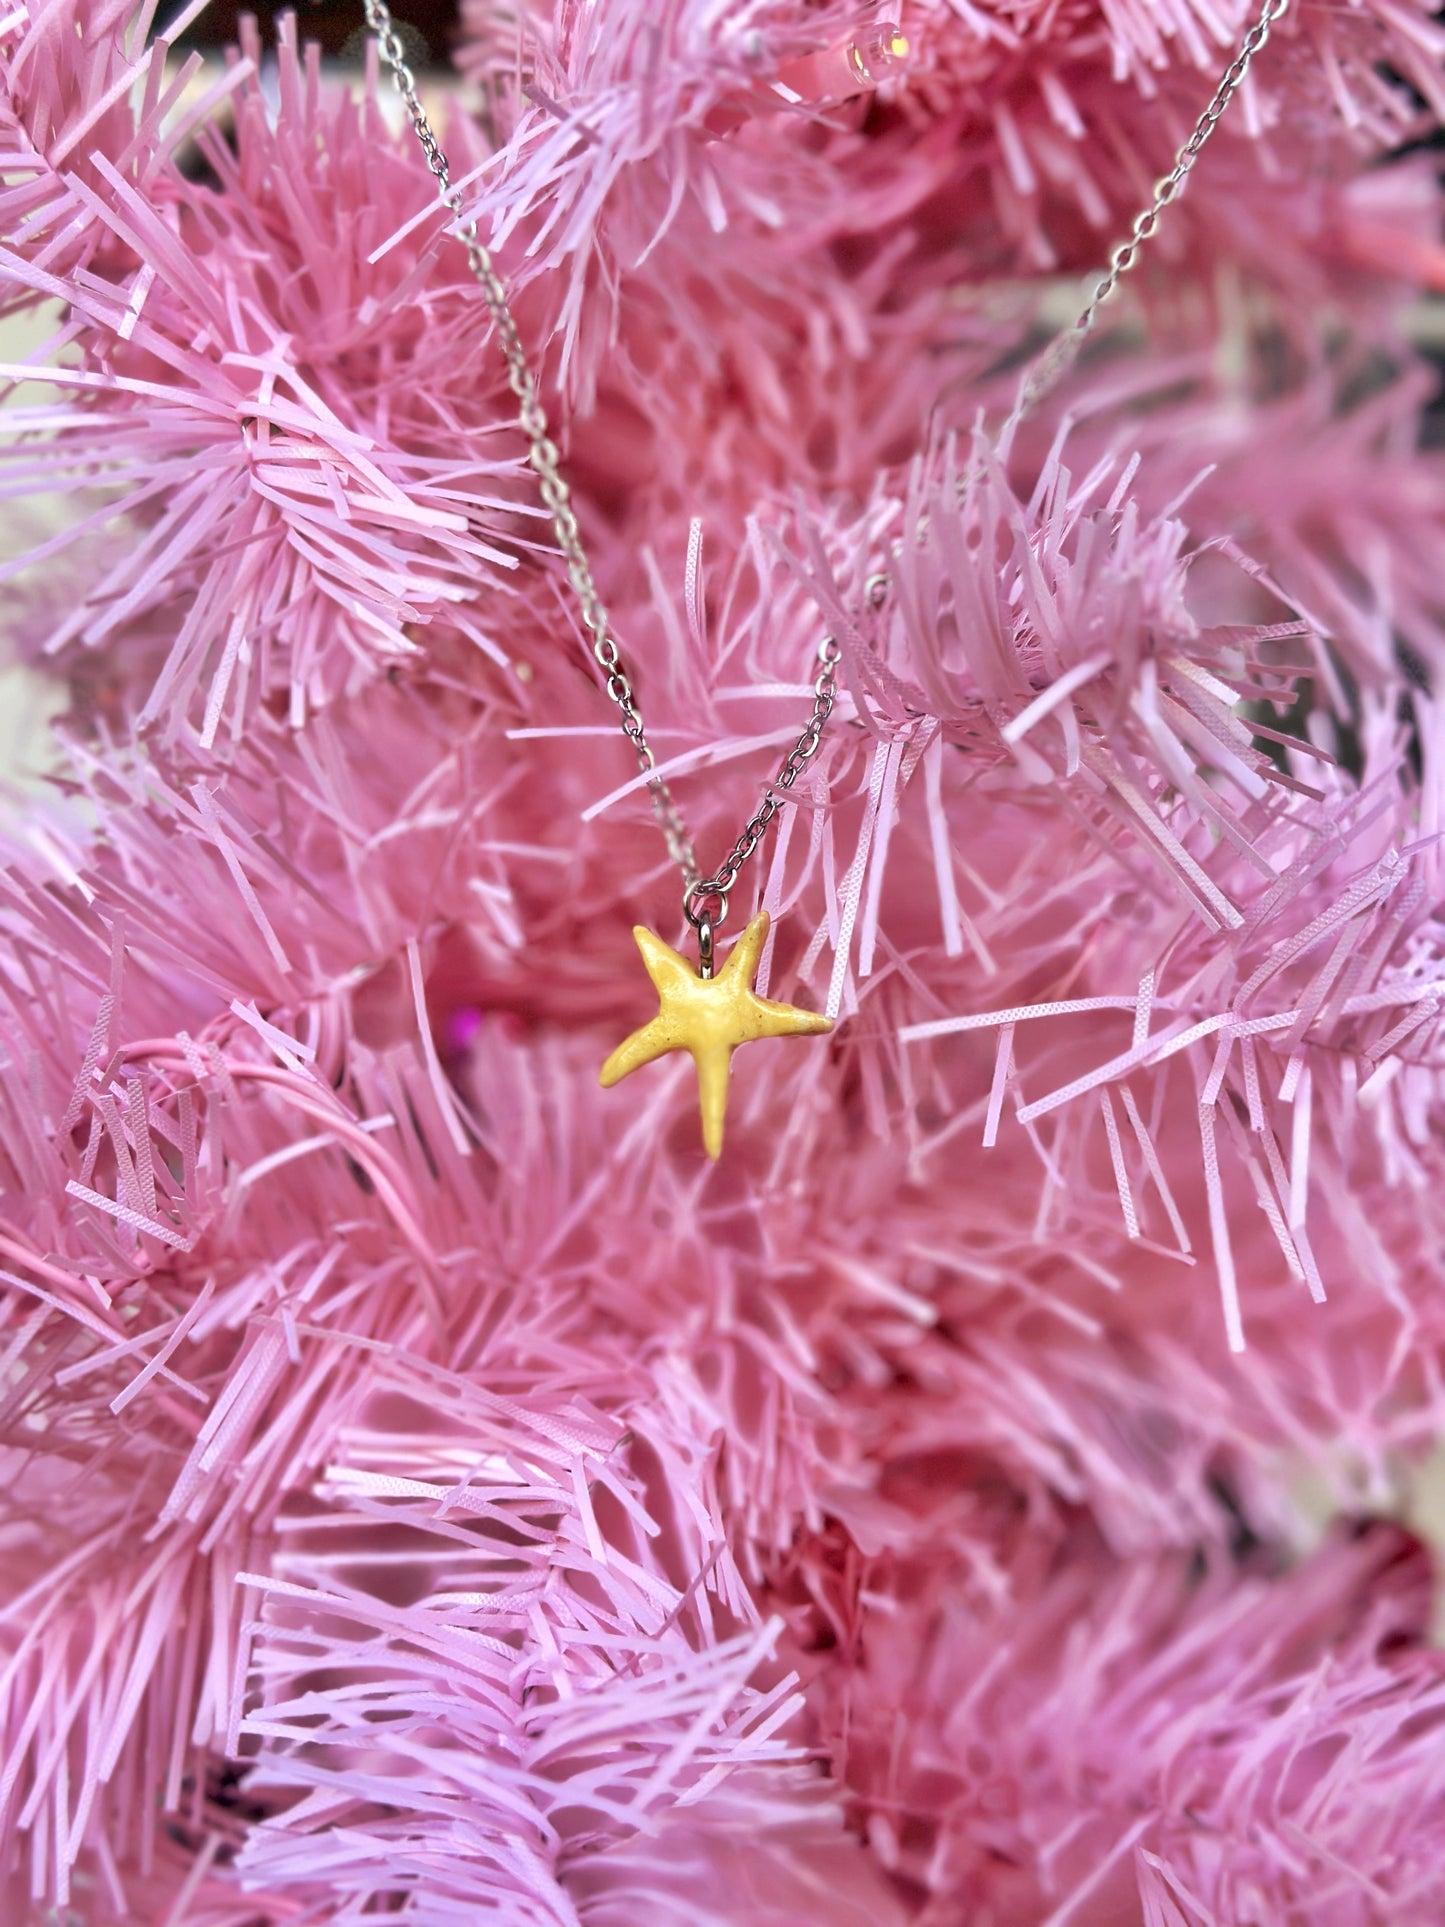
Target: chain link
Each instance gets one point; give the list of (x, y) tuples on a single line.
[(705, 902), (542, 451), (1059, 356), (705, 899)]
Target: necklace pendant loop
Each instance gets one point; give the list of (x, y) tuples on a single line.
[(708, 897), (705, 905)]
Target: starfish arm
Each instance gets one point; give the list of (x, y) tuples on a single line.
[(638, 1049), (713, 1061), (766, 1018), (668, 971), (747, 953)]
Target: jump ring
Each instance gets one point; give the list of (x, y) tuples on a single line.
[(705, 928), (696, 900)]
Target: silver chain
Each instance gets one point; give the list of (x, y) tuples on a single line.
[(1056, 360), (543, 454), (705, 899), (542, 451), (716, 887)]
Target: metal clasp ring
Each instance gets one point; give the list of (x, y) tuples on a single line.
[(701, 900), (706, 907), (704, 946)]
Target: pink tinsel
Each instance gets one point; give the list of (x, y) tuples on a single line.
[(432, 1492)]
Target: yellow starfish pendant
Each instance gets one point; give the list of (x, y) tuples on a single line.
[(709, 1017)]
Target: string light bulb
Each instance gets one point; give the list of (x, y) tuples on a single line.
[(879, 54), (843, 72), (857, 65)]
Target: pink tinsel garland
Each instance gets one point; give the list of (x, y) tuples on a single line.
[(432, 1492)]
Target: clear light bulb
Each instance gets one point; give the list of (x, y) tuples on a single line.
[(853, 66), (879, 53), (842, 72)]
